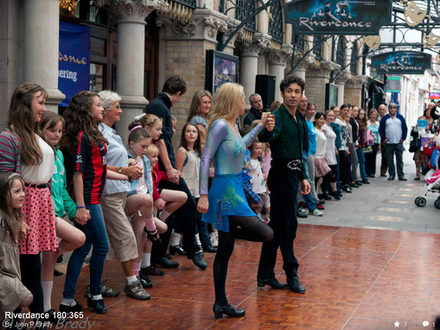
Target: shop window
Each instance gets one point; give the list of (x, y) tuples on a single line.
[(340, 51), (317, 46), (354, 58), (96, 77)]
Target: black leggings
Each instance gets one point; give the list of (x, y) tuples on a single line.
[(30, 267), (248, 228)]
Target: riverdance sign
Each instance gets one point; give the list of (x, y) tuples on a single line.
[(338, 17), (74, 60), (401, 63)]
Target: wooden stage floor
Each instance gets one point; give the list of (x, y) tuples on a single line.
[(354, 278)]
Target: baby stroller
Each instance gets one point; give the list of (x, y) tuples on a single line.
[(433, 182)]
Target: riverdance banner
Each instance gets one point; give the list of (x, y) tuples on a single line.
[(408, 62), (74, 60), (338, 17)]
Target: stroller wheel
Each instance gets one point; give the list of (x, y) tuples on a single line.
[(420, 201), (437, 204)]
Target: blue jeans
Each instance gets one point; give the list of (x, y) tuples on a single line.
[(361, 158), (309, 199), (397, 149), (96, 236)]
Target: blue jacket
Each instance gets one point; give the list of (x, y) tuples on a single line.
[(147, 175), (382, 126)]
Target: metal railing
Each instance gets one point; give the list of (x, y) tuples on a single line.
[(276, 23), (243, 9)]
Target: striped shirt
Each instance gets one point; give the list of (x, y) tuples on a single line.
[(91, 160), (10, 159)]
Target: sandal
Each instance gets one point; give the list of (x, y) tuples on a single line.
[(105, 291)]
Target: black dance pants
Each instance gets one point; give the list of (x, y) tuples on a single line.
[(283, 184), (187, 216)]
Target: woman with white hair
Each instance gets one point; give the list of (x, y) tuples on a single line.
[(114, 196)]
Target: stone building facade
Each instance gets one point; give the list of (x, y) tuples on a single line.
[(183, 30)]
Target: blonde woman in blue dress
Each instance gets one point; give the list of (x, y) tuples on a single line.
[(225, 206)]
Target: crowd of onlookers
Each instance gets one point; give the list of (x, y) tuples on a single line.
[(342, 147), (69, 183)]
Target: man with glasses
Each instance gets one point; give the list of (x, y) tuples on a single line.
[(393, 130)]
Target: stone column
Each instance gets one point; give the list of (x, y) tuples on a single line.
[(353, 90), (41, 47), (249, 68), (301, 67), (130, 58), (340, 81), (277, 66), (249, 61), (318, 75)]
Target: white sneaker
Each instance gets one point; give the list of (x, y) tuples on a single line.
[(214, 239), (316, 212)]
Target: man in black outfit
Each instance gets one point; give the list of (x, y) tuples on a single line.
[(255, 111), (286, 135), (172, 92)]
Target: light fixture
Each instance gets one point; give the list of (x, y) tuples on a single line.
[(373, 41), (414, 15), (68, 7)]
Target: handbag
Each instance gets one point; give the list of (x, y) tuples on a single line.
[(368, 150), (414, 145)]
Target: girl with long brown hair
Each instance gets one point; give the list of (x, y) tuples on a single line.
[(51, 128), (23, 151), (13, 293), (88, 146), (199, 110)]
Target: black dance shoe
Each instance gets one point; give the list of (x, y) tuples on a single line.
[(335, 195), (76, 308), (199, 261), (177, 250), (227, 310), (53, 319), (167, 263), (97, 305), (210, 249), (295, 285), (273, 282), (151, 270), (145, 281)]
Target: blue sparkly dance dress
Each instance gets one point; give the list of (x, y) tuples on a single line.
[(226, 196)]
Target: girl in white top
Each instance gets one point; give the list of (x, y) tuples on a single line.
[(188, 163), (26, 153), (321, 166), (331, 151), (258, 181), (188, 157)]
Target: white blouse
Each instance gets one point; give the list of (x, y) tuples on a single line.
[(321, 142), (42, 173), (330, 147)]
